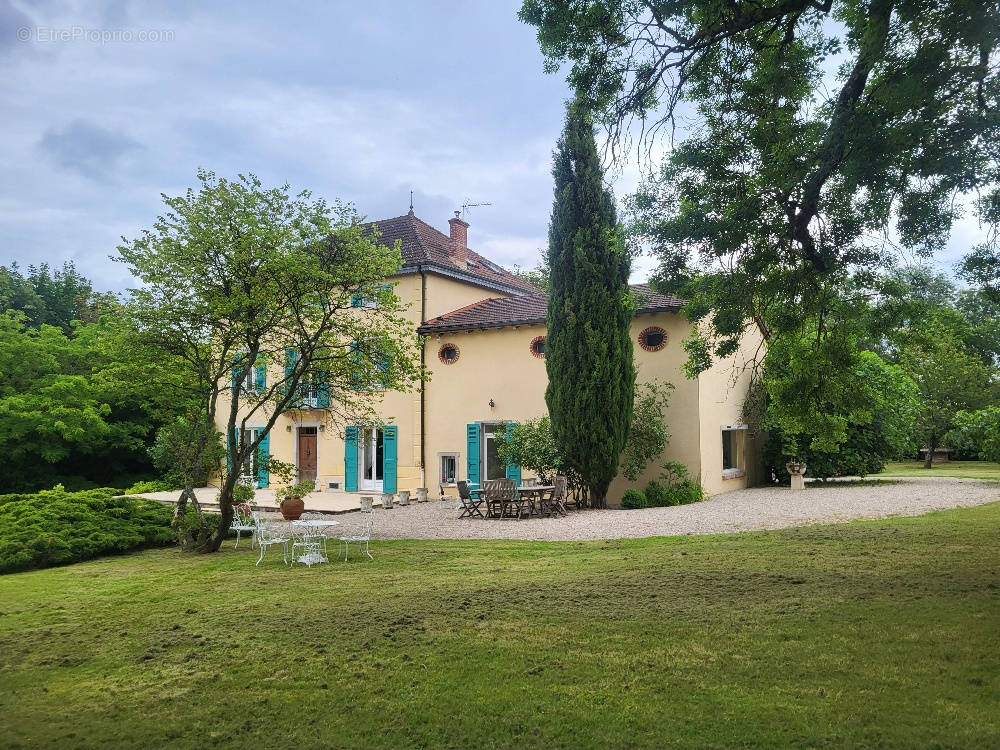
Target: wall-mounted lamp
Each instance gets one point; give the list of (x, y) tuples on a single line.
[(492, 404), (288, 428), (322, 428)]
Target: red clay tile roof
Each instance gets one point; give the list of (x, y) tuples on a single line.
[(528, 309), (422, 244)]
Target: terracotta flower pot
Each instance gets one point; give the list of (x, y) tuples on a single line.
[(292, 508)]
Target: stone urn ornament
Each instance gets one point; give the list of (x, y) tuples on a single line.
[(366, 502), (421, 494), (387, 498), (797, 471), (404, 497)]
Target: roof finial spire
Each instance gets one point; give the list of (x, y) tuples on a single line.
[(411, 203)]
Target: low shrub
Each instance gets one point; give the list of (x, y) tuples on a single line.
[(657, 495), (684, 492), (633, 498), (56, 527)]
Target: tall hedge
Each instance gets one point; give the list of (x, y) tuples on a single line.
[(588, 352)]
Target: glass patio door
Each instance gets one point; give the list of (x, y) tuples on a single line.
[(492, 466), (371, 459)]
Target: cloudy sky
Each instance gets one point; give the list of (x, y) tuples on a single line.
[(106, 105)]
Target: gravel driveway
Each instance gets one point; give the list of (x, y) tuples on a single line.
[(742, 510)]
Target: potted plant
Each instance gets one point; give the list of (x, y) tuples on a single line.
[(290, 498), (243, 494)]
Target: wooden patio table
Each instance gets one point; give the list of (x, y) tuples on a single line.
[(535, 495)]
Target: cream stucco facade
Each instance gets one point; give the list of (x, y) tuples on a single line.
[(497, 378)]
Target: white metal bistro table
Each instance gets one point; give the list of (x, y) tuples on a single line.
[(313, 544)]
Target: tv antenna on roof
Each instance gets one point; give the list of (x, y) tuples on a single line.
[(469, 204)]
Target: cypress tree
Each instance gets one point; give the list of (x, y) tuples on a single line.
[(588, 350)]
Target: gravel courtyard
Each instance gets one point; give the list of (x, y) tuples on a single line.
[(743, 510)]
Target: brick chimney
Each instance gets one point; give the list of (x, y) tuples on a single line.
[(460, 238)]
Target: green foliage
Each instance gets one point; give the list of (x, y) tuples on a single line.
[(157, 485), (531, 445), (243, 494), (540, 276), (950, 379), (58, 298), (678, 488), (55, 527), (875, 406), (235, 273), (588, 354), (299, 489), (633, 498), (63, 413), (789, 177), (656, 495), (648, 434), (187, 450), (977, 432)]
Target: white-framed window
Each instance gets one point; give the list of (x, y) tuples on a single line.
[(492, 466), (360, 300), (447, 468), (733, 450)]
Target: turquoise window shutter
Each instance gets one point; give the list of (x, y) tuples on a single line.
[(513, 472), (291, 357), (389, 461), (323, 391), (260, 378), (351, 459), (355, 360), (472, 453), (237, 372), (263, 454)]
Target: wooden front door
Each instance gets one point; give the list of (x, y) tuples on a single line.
[(307, 453)]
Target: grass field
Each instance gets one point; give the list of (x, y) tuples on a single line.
[(876, 634), (961, 469)]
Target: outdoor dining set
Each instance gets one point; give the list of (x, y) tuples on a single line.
[(303, 540), (504, 498)]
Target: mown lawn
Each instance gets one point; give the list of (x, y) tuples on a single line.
[(876, 634), (961, 469)]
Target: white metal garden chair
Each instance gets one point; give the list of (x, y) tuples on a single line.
[(269, 535), (363, 535), (243, 520)]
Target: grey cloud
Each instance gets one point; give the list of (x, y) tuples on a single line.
[(88, 149)]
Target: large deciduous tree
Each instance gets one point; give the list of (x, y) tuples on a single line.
[(950, 378), (588, 353), (827, 134), (250, 290)]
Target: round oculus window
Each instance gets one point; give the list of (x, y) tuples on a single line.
[(537, 347), (653, 339), (448, 353)]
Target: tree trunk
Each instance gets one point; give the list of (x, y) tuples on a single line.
[(599, 497), (931, 447), (214, 541)]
